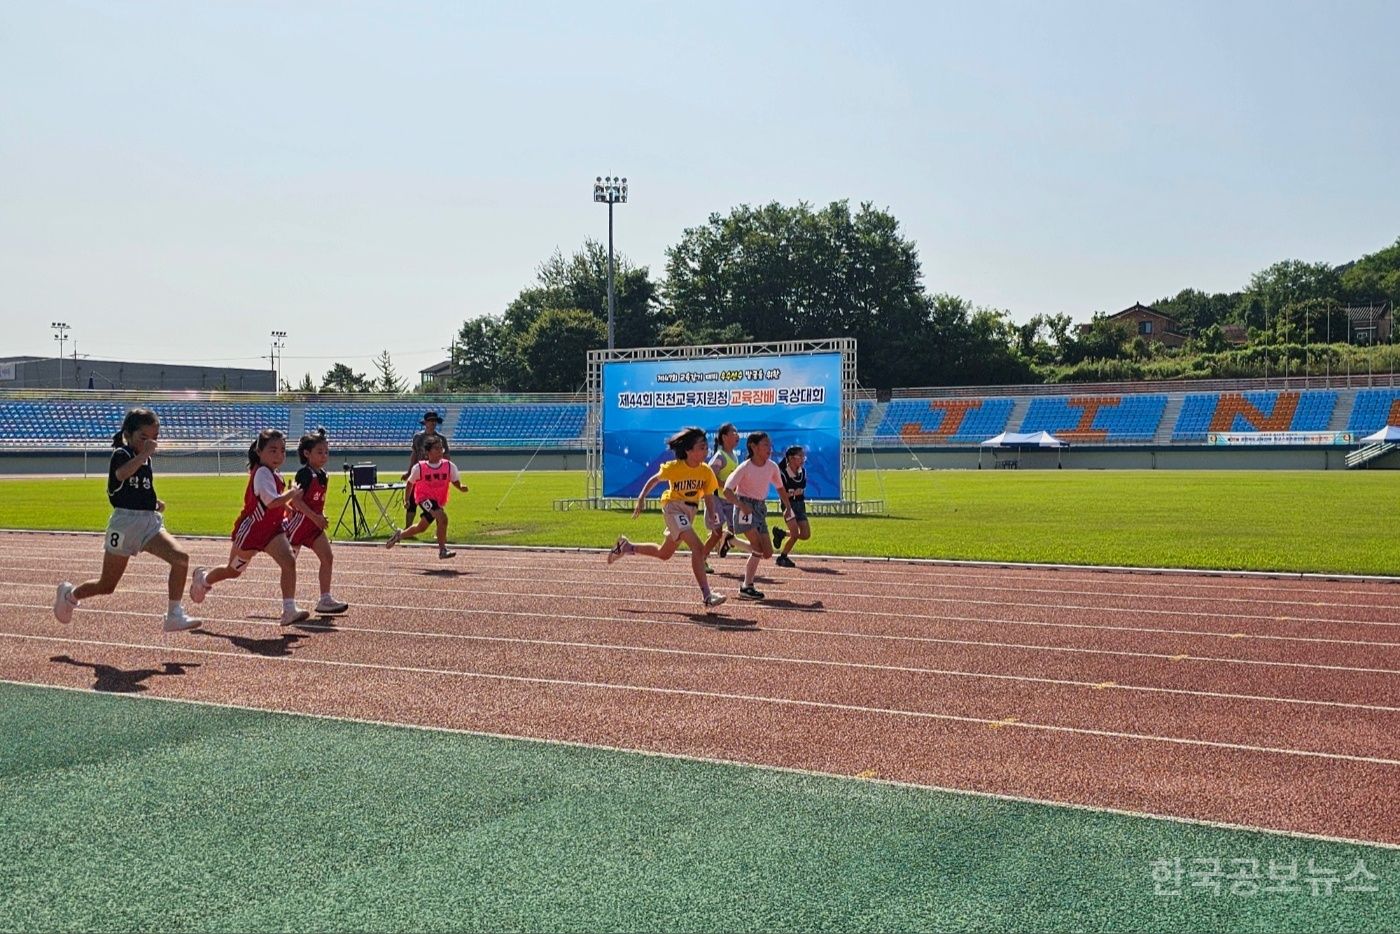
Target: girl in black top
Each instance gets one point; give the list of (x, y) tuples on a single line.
[(794, 475), (137, 524)]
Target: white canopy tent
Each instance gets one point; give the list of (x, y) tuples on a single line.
[(1388, 433), (1022, 441)]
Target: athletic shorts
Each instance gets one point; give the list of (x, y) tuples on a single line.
[(429, 506), (300, 530), (799, 510), (129, 531), (757, 516), (723, 517), (680, 518), (252, 535)]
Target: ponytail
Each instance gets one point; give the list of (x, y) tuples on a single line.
[(261, 441), (135, 420), (309, 441)]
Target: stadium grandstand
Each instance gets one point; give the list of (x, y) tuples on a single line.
[(1103, 417)]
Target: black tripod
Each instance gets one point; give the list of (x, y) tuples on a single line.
[(359, 525)]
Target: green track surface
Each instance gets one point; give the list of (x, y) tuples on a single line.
[(124, 815), (1336, 521)]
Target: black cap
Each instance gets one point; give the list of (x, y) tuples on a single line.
[(432, 417)]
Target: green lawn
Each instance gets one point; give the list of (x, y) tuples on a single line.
[(124, 815), (1334, 522)]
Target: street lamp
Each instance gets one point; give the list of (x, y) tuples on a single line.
[(60, 334), (610, 190), (279, 340)]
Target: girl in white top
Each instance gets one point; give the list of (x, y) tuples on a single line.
[(747, 488)]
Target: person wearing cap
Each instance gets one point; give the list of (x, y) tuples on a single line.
[(431, 421)]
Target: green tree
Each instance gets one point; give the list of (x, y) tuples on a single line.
[(479, 357), (306, 384), (388, 381), (554, 348), (340, 378), (789, 273), (1104, 339), (1290, 281), (1374, 278)]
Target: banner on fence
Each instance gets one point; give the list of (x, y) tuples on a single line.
[(1239, 438)]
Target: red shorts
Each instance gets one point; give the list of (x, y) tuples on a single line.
[(255, 534), (301, 530)]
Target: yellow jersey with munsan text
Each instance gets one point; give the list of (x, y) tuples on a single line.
[(688, 484)]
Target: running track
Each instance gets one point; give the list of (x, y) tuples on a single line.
[(1259, 702)]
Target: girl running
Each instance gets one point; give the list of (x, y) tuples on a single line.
[(723, 464), (137, 524), (306, 523), (259, 526), (747, 489), (795, 482), (430, 480), (690, 479)]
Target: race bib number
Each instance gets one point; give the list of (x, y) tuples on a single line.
[(114, 540)]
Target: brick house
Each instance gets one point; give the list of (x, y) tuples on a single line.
[(1149, 324)]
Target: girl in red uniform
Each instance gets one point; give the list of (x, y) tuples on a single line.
[(306, 518), (259, 526)]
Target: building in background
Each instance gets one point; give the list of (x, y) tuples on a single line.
[(108, 375)]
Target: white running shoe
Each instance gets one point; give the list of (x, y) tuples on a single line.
[(714, 600), (617, 550), (330, 606), (445, 553), (199, 587), (177, 621), (295, 615), (63, 603)]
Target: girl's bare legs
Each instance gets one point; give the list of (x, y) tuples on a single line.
[(113, 567), (322, 547), (280, 551), (164, 547), (237, 561)]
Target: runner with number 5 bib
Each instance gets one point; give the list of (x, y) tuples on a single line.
[(691, 480)]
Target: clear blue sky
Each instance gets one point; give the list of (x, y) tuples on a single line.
[(179, 178)]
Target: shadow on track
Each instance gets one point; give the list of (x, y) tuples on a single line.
[(122, 680)]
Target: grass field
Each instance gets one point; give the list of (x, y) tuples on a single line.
[(171, 816), (1336, 522)]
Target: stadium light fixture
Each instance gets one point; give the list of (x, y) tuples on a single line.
[(279, 340), (60, 334), (610, 190)]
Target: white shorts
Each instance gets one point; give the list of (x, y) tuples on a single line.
[(129, 531), (680, 518)]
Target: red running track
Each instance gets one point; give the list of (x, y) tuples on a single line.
[(1270, 703)]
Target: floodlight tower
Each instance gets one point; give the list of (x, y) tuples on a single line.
[(60, 334), (279, 340), (610, 190)]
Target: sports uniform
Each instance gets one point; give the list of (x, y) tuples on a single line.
[(135, 520), (432, 482), (688, 485), (258, 524), (299, 527)]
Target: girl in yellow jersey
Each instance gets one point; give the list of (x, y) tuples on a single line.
[(691, 480)]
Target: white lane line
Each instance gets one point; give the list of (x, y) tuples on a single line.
[(339, 626), (861, 614), (841, 634), (892, 566), (787, 770), (727, 696)]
